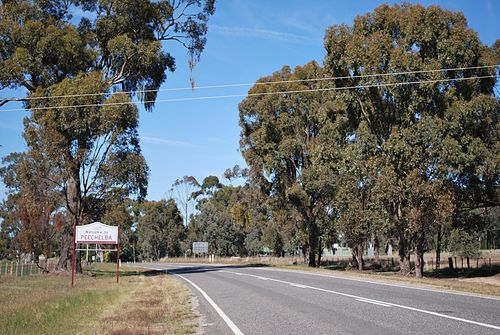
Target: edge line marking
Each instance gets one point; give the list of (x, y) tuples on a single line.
[(378, 302)]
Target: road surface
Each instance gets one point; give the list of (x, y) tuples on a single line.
[(259, 300)]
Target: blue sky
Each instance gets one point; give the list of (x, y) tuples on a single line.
[(246, 40)]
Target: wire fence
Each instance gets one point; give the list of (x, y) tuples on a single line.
[(23, 269)]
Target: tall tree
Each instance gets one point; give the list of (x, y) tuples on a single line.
[(159, 229), (87, 134), (31, 205), (278, 141), (416, 44), (184, 191)]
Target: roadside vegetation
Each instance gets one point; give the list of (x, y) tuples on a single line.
[(143, 303)]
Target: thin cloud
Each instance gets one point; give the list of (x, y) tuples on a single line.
[(214, 139), (259, 33), (163, 141), (4, 125)]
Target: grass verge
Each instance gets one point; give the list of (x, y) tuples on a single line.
[(477, 285), (143, 303)]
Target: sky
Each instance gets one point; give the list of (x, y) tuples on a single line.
[(247, 39)]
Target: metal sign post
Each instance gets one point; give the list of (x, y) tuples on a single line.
[(118, 258), (96, 233)]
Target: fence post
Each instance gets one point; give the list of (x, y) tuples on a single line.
[(22, 268), (11, 268)]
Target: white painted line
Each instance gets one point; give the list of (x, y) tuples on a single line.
[(261, 278), (219, 311), (373, 302), (385, 283), (298, 285), (378, 301)]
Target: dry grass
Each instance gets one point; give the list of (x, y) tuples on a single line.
[(154, 305), (140, 304), (476, 285)]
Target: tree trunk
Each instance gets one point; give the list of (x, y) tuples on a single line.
[(439, 237), (313, 242), (73, 201), (404, 253), (404, 256), (305, 252), (376, 248), (320, 251), (419, 263), (359, 257), (64, 262)]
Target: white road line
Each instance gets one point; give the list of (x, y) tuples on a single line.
[(298, 285), (373, 302), (377, 301), (219, 311), (384, 283)]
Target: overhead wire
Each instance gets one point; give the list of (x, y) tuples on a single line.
[(378, 85), (174, 89)]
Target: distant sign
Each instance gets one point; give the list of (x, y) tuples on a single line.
[(96, 233), (200, 247)]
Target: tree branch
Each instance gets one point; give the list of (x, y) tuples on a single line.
[(6, 100)]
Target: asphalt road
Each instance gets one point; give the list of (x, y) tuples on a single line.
[(256, 300)]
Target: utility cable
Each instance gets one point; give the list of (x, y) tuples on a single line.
[(268, 82), (256, 94)]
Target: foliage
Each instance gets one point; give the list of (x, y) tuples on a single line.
[(464, 244), (417, 136), (279, 143), (159, 229), (97, 55), (30, 210), (184, 191)]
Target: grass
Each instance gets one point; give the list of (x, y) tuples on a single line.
[(464, 281), (143, 303)]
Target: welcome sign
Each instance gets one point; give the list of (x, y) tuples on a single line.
[(96, 233)]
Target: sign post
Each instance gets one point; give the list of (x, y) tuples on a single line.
[(96, 233), (73, 259), (118, 258)]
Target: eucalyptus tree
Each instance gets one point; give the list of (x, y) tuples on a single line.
[(81, 74), (184, 191), (434, 70), (159, 229), (279, 136), (30, 212)]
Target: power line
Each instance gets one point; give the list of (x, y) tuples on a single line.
[(255, 94), (268, 82)]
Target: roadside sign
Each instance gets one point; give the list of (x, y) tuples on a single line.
[(200, 247), (96, 233)]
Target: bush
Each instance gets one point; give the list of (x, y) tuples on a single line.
[(464, 244)]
